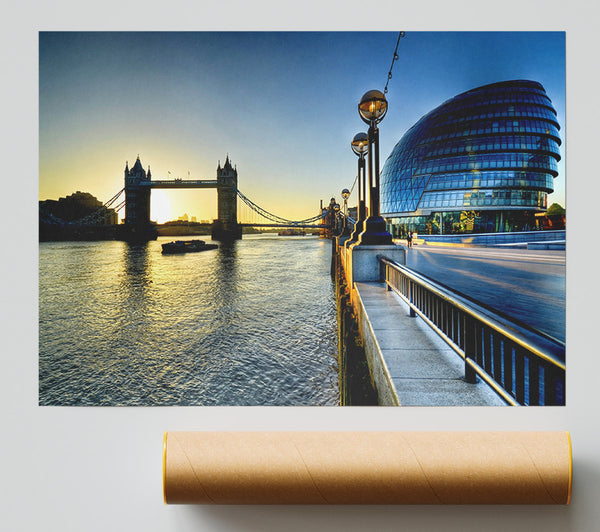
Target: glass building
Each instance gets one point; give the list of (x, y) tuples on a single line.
[(482, 162)]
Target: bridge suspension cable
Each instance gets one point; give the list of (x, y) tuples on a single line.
[(273, 217), (102, 212), (114, 198)]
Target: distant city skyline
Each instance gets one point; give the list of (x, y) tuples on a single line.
[(281, 105)]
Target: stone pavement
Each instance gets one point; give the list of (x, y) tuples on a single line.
[(414, 362)]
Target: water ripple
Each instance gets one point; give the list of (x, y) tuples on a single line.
[(253, 323)]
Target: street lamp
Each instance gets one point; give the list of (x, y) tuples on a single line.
[(335, 220), (360, 146), (372, 108), (345, 195)]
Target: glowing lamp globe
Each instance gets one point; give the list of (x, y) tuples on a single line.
[(372, 106), (360, 144)]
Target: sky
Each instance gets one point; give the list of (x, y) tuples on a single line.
[(281, 105)]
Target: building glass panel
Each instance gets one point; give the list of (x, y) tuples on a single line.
[(491, 150)]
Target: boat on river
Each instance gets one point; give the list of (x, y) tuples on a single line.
[(186, 246)]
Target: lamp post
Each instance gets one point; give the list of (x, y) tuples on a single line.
[(372, 108), (335, 222), (360, 146), (345, 195), (332, 215)]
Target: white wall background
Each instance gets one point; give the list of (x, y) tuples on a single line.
[(99, 469)]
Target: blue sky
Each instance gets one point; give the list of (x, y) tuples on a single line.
[(281, 104)]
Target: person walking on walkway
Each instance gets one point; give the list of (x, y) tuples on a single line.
[(409, 239)]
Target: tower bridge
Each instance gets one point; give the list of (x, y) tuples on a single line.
[(227, 226), (138, 186)]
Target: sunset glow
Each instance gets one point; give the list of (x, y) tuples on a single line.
[(106, 97), (160, 207)]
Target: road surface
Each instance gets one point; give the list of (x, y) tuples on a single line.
[(526, 284)]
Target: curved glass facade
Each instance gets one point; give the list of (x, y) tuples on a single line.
[(483, 161)]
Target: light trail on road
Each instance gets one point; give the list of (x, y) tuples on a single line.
[(528, 285)]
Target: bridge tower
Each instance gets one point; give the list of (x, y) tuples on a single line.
[(226, 226), (137, 202)]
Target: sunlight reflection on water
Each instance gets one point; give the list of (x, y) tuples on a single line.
[(253, 323)]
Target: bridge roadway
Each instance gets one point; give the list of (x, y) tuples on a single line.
[(180, 183), (528, 285), (290, 225)]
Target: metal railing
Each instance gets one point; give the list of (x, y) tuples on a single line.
[(523, 365)]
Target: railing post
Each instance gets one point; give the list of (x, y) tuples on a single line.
[(387, 277), (384, 272), (469, 336)]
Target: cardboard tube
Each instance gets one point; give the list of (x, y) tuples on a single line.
[(367, 467)]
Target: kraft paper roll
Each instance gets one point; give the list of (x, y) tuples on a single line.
[(367, 467)]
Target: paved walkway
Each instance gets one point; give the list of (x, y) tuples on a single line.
[(423, 369)]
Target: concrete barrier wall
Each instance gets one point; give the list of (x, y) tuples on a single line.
[(381, 378)]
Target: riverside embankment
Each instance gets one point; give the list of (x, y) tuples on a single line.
[(408, 365)]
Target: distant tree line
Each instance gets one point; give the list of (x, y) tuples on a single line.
[(554, 209)]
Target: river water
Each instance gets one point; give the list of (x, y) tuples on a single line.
[(252, 323)]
